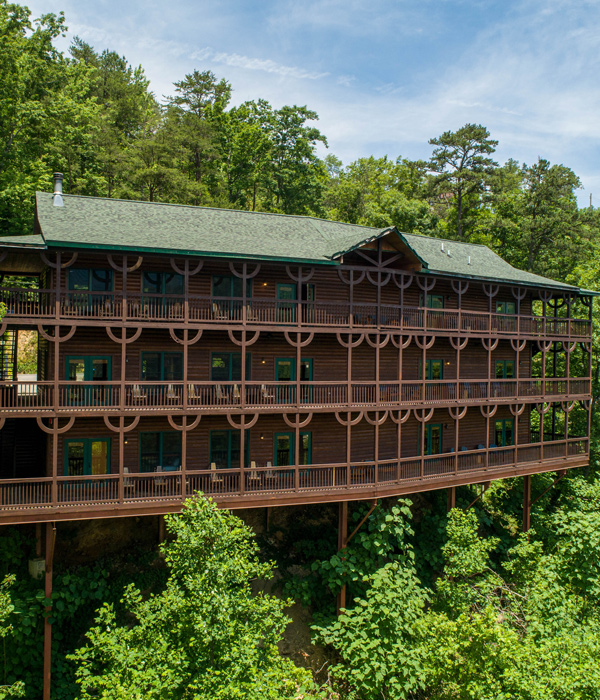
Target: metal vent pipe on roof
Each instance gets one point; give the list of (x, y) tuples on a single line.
[(57, 198)]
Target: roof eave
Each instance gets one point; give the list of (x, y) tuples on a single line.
[(54, 243), (504, 281)]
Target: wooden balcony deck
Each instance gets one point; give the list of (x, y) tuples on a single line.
[(26, 306), (111, 495), (20, 399)]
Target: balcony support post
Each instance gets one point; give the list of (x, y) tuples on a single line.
[(457, 413), (124, 268), (376, 422), (399, 419), (185, 427), (123, 341), (242, 426), (349, 373), (488, 411), (297, 456), (54, 488), (56, 339), (121, 429), (459, 287)]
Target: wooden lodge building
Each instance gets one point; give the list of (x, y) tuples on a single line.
[(270, 360)]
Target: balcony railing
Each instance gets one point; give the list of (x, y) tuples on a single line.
[(141, 396), (300, 483), (191, 309)]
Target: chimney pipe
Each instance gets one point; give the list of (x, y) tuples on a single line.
[(57, 198)]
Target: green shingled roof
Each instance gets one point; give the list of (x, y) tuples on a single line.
[(94, 222), (471, 260), (115, 223)]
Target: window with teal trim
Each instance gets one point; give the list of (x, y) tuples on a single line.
[(227, 366), (162, 283), (160, 449), (230, 286), (90, 280), (162, 366), (434, 301), (505, 369), (225, 449), (285, 449), (506, 307)]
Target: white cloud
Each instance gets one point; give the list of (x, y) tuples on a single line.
[(266, 65), (385, 75)]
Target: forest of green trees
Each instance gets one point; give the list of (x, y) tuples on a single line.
[(440, 607)]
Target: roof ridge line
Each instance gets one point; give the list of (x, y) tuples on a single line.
[(225, 209)]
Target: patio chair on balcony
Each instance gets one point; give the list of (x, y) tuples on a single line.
[(138, 395), (128, 483), (266, 397), (172, 392), (254, 476), (270, 475), (236, 393), (220, 312), (214, 477)]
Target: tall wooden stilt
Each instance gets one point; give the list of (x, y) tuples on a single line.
[(451, 498), (50, 538), (526, 503), (342, 540), (161, 529)]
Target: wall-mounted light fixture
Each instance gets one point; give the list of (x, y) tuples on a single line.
[(263, 361), (264, 284), (447, 363), (262, 437)]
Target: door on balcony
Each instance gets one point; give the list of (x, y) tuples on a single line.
[(434, 372), (87, 456), (88, 368), (505, 369), (285, 372), (504, 433), (285, 452), (433, 439), (286, 303), (506, 316)]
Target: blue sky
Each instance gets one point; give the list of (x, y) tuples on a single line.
[(383, 75)]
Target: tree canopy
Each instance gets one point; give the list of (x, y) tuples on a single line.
[(208, 634)]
